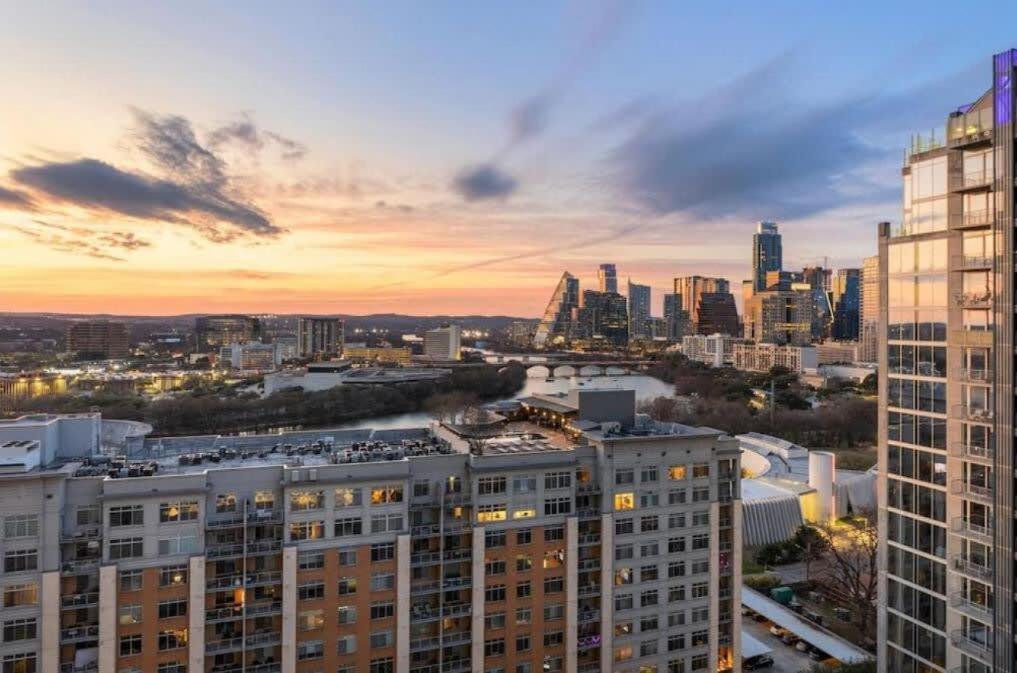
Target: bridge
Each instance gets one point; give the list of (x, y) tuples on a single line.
[(586, 368)]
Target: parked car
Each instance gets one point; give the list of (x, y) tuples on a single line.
[(758, 617), (789, 638), (802, 646), (817, 654), (757, 662), (777, 631)]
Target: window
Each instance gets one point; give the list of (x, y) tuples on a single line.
[(305, 501), (553, 612), (648, 573), (172, 608), (310, 620), (19, 629), (624, 501), (701, 541), (523, 643), (676, 520), (130, 580), (129, 614), (383, 495), (421, 489), (623, 552), (173, 576), (676, 569), (524, 484), (554, 558), (701, 518), (648, 598), (494, 567), (382, 552), (648, 549), (382, 610), (23, 662), (20, 560), (172, 639), (310, 649), (523, 590), (623, 653), (494, 620), (675, 545), (346, 644), (310, 560), (554, 506), (384, 523), (490, 485), (22, 525), (347, 614), (676, 496), (130, 645), (676, 641), (701, 494), (127, 547), (649, 499), (494, 538), (701, 471), (700, 567), (647, 648), (676, 472), (494, 647), (349, 526), (523, 562), (495, 593), (347, 558), (491, 512), (180, 544), (310, 591), (623, 526), (307, 530), (349, 497), (556, 480), (624, 476), (524, 536), (386, 665), (700, 615), (554, 585), (264, 501), (171, 512), (525, 513), (648, 624), (648, 524), (554, 639), (700, 662), (700, 590), (88, 515), (225, 503), (348, 585), (381, 639), (553, 533), (382, 582), (676, 594), (623, 602), (127, 515)]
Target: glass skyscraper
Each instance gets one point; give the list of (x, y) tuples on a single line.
[(767, 253)]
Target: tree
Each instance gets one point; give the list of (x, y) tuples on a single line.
[(852, 571), (812, 544)]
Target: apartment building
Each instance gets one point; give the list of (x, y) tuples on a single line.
[(946, 414), (99, 339), (609, 544), (752, 357), (716, 350)]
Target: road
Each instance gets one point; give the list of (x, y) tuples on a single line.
[(785, 659)]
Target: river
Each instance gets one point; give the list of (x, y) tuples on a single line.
[(646, 387)]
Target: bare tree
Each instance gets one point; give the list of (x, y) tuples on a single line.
[(852, 568)]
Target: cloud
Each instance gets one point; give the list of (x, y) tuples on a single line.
[(94, 184), (748, 148), (246, 133), (15, 198), (68, 244), (483, 182)]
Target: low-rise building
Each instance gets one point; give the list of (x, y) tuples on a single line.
[(443, 343), (716, 350), (762, 357), (17, 388), (838, 352), (383, 355)]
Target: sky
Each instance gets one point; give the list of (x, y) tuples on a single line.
[(446, 157)]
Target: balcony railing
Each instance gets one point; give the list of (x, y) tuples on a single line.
[(249, 580), (978, 646), (981, 611), (71, 667), (76, 601), (448, 666), (969, 412), (973, 375), (980, 299), (973, 218), (589, 538), (970, 180), (588, 616), (982, 533), (971, 568), (970, 491), (972, 452), (77, 634), (589, 564), (82, 566)]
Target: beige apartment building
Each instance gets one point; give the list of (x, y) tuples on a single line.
[(592, 540)]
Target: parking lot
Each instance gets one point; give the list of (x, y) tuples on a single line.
[(785, 659)]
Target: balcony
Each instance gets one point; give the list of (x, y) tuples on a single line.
[(962, 182), (427, 613), (77, 601), (589, 539), (70, 667), (588, 616), (963, 131), (587, 487), (980, 454), (449, 584), (971, 568), (980, 299), (976, 645), (434, 529), (973, 530), (977, 414), (79, 634), (81, 535), (970, 375), (592, 667), (249, 580), (980, 611), (982, 494), (224, 645), (450, 666), (973, 335), (445, 640), (82, 566), (588, 513), (588, 590), (973, 218), (588, 564)]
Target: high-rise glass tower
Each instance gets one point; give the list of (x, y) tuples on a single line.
[(846, 304), (946, 413), (557, 319), (639, 310), (607, 278), (767, 253)]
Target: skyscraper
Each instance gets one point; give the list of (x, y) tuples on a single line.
[(99, 339), (767, 253), (868, 322), (676, 317), (717, 314), (692, 289), (607, 278), (554, 325), (215, 331), (319, 338), (779, 317), (604, 315), (639, 310), (846, 302), (946, 412)]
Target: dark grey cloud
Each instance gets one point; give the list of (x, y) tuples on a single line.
[(245, 132), (94, 184), (16, 199), (483, 182), (753, 148)]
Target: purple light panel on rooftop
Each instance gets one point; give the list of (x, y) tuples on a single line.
[(1003, 72)]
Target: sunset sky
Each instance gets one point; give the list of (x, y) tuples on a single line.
[(451, 157)]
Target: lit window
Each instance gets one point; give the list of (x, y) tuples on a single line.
[(676, 472), (624, 501), (524, 514), (491, 512)]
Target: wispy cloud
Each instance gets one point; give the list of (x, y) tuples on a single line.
[(15, 199)]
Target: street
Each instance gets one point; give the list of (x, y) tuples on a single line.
[(785, 659)]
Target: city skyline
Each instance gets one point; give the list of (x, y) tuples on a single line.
[(373, 164)]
